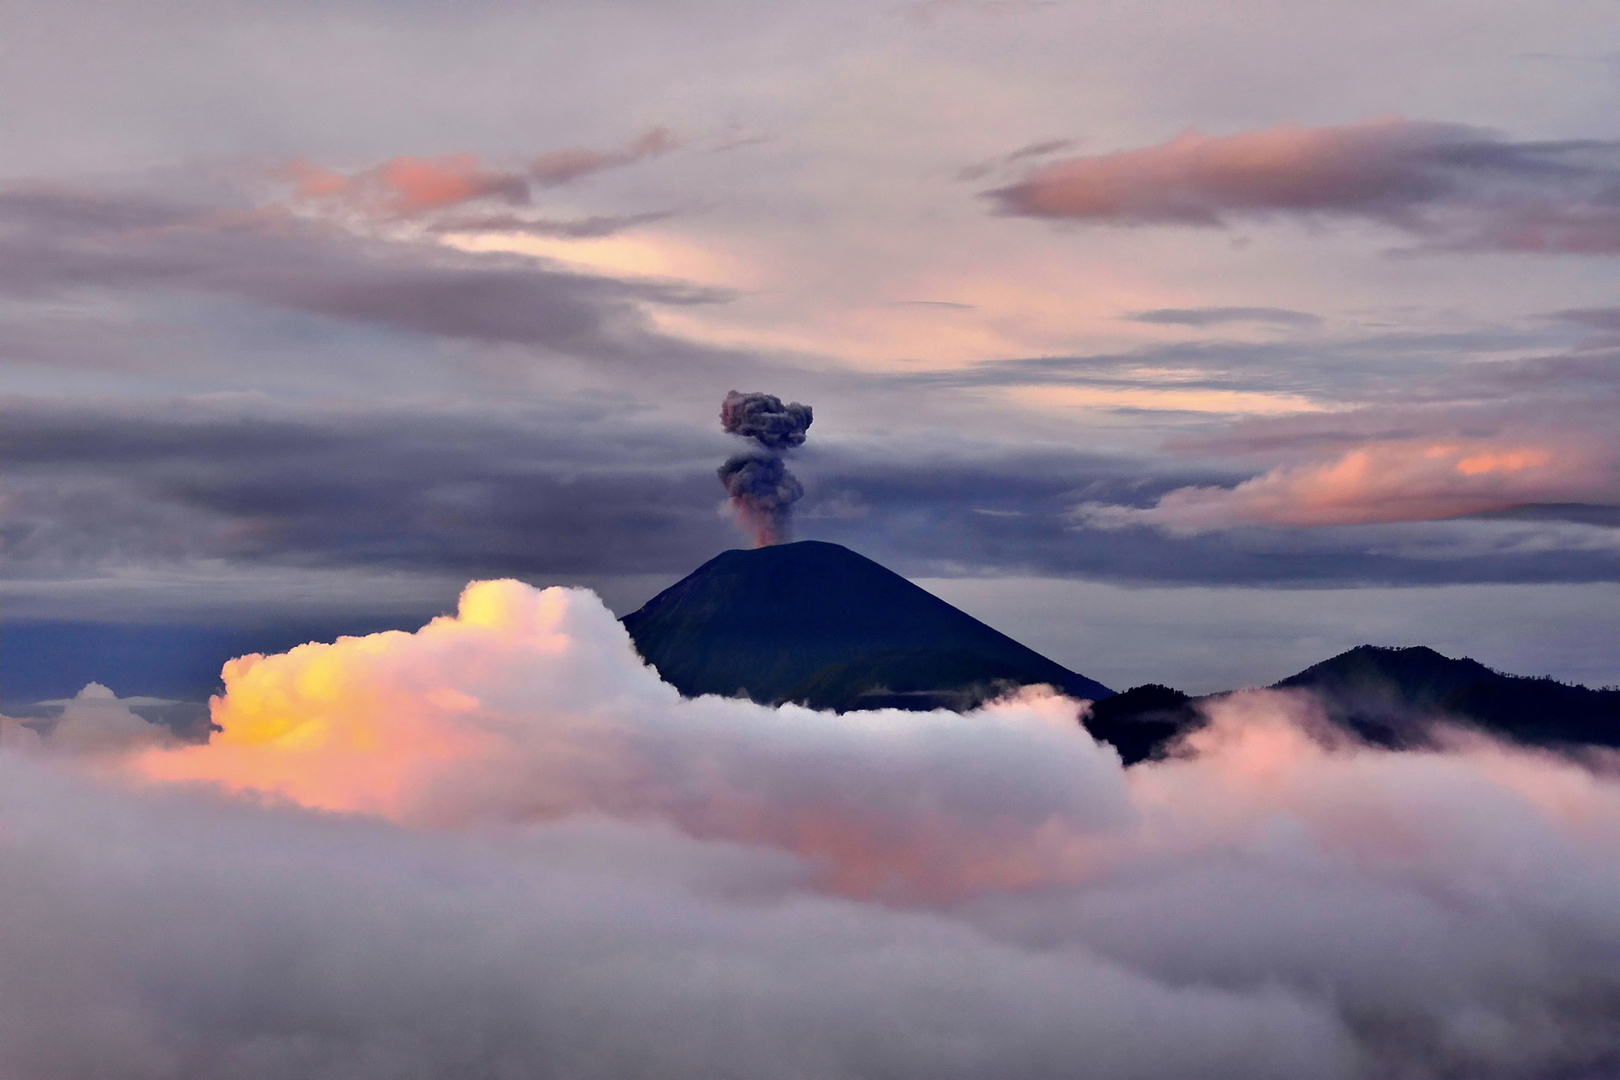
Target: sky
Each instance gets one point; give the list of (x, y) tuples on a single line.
[(1186, 343), (361, 363)]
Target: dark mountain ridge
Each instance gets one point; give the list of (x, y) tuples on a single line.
[(1391, 697), (816, 623)]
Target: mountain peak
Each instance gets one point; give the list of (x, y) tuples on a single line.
[(815, 622), (1417, 676)]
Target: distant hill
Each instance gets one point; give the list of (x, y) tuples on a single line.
[(1142, 721), (816, 623), (1389, 697)]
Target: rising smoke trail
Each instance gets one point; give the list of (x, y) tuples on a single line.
[(761, 488)]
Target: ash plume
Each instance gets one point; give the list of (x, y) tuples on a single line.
[(762, 490), (763, 418)]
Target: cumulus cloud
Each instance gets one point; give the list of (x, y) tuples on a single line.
[(1452, 186), (577, 871), (94, 723), (438, 727)]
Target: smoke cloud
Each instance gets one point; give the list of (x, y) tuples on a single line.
[(762, 490), (544, 861)]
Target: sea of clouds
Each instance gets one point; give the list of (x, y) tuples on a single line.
[(502, 847)]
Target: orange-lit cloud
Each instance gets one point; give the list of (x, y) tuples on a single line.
[(1397, 480), (532, 705)]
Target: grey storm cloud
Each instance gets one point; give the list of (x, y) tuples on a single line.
[(576, 491), (1452, 186), (539, 490), (54, 243)]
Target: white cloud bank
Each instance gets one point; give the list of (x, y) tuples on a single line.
[(501, 847)]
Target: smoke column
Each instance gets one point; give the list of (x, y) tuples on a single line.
[(761, 488)]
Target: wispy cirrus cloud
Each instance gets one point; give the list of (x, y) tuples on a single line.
[(562, 166), (1451, 186)]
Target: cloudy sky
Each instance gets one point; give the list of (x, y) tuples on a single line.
[(1190, 343), (1187, 342)]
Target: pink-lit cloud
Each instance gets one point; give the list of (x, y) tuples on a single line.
[(1451, 185), (408, 186), (1388, 481)]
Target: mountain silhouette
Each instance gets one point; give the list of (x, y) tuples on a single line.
[(1395, 698), (816, 623), (1388, 696)]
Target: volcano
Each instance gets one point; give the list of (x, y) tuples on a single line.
[(818, 624)]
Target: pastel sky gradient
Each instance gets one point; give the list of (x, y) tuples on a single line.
[(1304, 313)]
